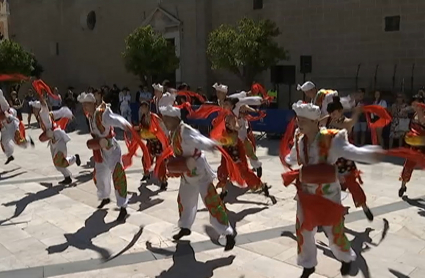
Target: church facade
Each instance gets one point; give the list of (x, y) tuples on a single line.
[(352, 43)]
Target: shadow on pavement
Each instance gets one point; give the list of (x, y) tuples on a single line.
[(185, 263), (21, 205), (82, 239), (11, 176), (145, 197), (136, 237), (419, 203)]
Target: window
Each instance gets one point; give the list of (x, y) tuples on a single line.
[(91, 20), (392, 23), (257, 4)]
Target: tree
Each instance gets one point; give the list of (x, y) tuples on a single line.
[(247, 49), (14, 58), (147, 53), (37, 68)]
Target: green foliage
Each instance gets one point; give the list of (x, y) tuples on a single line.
[(246, 49), (37, 68), (147, 53), (14, 59)]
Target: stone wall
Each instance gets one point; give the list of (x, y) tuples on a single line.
[(339, 34)]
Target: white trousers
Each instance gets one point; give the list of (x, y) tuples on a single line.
[(60, 159), (111, 169), (8, 140), (188, 205), (126, 112), (338, 242)]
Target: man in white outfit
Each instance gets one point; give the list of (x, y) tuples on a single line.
[(125, 99), (55, 134), (196, 176), (106, 152), (316, 150), (12, 130)]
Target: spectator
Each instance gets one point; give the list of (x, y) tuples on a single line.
[(55, 103), (144, 95), (71, 99), (381, 102), (114, 98), (361, 126), (16, 103), (400, 122), (183, 87), (29, 97), (125, 99), (167, 86)]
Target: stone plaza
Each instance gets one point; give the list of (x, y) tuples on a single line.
[(48, 230)]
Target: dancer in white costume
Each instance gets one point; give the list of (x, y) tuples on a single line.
[(197, 176), (54, 134), (243, 106), (106, 152), (12, 130), (316, 150)]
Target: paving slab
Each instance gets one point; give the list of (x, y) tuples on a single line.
[(48, 230)]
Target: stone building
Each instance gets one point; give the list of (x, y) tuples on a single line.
[(4, 19), (353, 43)]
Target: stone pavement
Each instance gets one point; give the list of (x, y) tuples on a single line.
[(52, 231)]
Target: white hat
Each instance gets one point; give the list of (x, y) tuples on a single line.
[(221, 88), (158, 87), (4, 105), (35, 104), (307, 86), (170, 111), (306, 110), (86, 97)]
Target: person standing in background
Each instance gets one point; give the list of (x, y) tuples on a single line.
[(115, 99), (16, 104), (360, 126), (144, 95), (125, 99), (55, 103), (28, 98), (400, 123)]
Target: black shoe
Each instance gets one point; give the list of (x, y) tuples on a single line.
[(259, 172), (345, 268), (145, 177), (223, 194), (163, 186), (9, 159), (77, 160), (67, 180), (307, 272), (183, 232), (31, 142), (123, 215), (401, 191), (368, 213), (230, 242), (104, 203)]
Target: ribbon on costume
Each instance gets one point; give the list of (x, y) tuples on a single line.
[(317, 210), (186, 105), (204, 111), (189, 95), (287, 140), (132, 146), (409, 154), (13, 77), (261, 115), (257, 89), (384, 119), (40, 86), (166, 153)]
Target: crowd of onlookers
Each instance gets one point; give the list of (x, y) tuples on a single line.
[(397, 106)]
